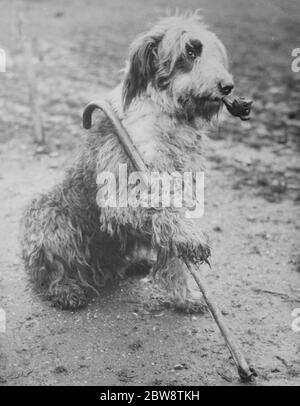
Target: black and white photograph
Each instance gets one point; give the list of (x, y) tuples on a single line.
[(149, 195)]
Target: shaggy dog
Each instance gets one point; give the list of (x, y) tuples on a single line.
[(173, 86)]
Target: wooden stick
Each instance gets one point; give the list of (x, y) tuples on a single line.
[(123, 135), (27, 50), (33, 94), (246, 373)]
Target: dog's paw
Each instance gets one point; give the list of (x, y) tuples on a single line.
[(189, 242), (190, 306), (195, 250), (69, 297), (196, 253)]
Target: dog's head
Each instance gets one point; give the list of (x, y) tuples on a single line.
[(182, 64)]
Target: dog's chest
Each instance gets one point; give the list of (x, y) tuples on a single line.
[(164, 144)]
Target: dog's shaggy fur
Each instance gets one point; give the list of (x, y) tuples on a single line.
[(172, 88)]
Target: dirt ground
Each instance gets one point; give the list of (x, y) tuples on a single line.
[(251, 213)]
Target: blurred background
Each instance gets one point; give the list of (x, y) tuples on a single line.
[(60, 55), (80, 46)]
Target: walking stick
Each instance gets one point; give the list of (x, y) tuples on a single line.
[(246, 373)]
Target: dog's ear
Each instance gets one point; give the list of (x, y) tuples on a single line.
[(142, 66)]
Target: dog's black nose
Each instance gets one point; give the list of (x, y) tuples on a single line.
[(226, 88)]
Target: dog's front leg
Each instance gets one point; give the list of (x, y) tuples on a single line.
[(178, 284), (179, 236)]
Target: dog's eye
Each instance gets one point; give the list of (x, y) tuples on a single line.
[(194, 49), (191, 53)]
